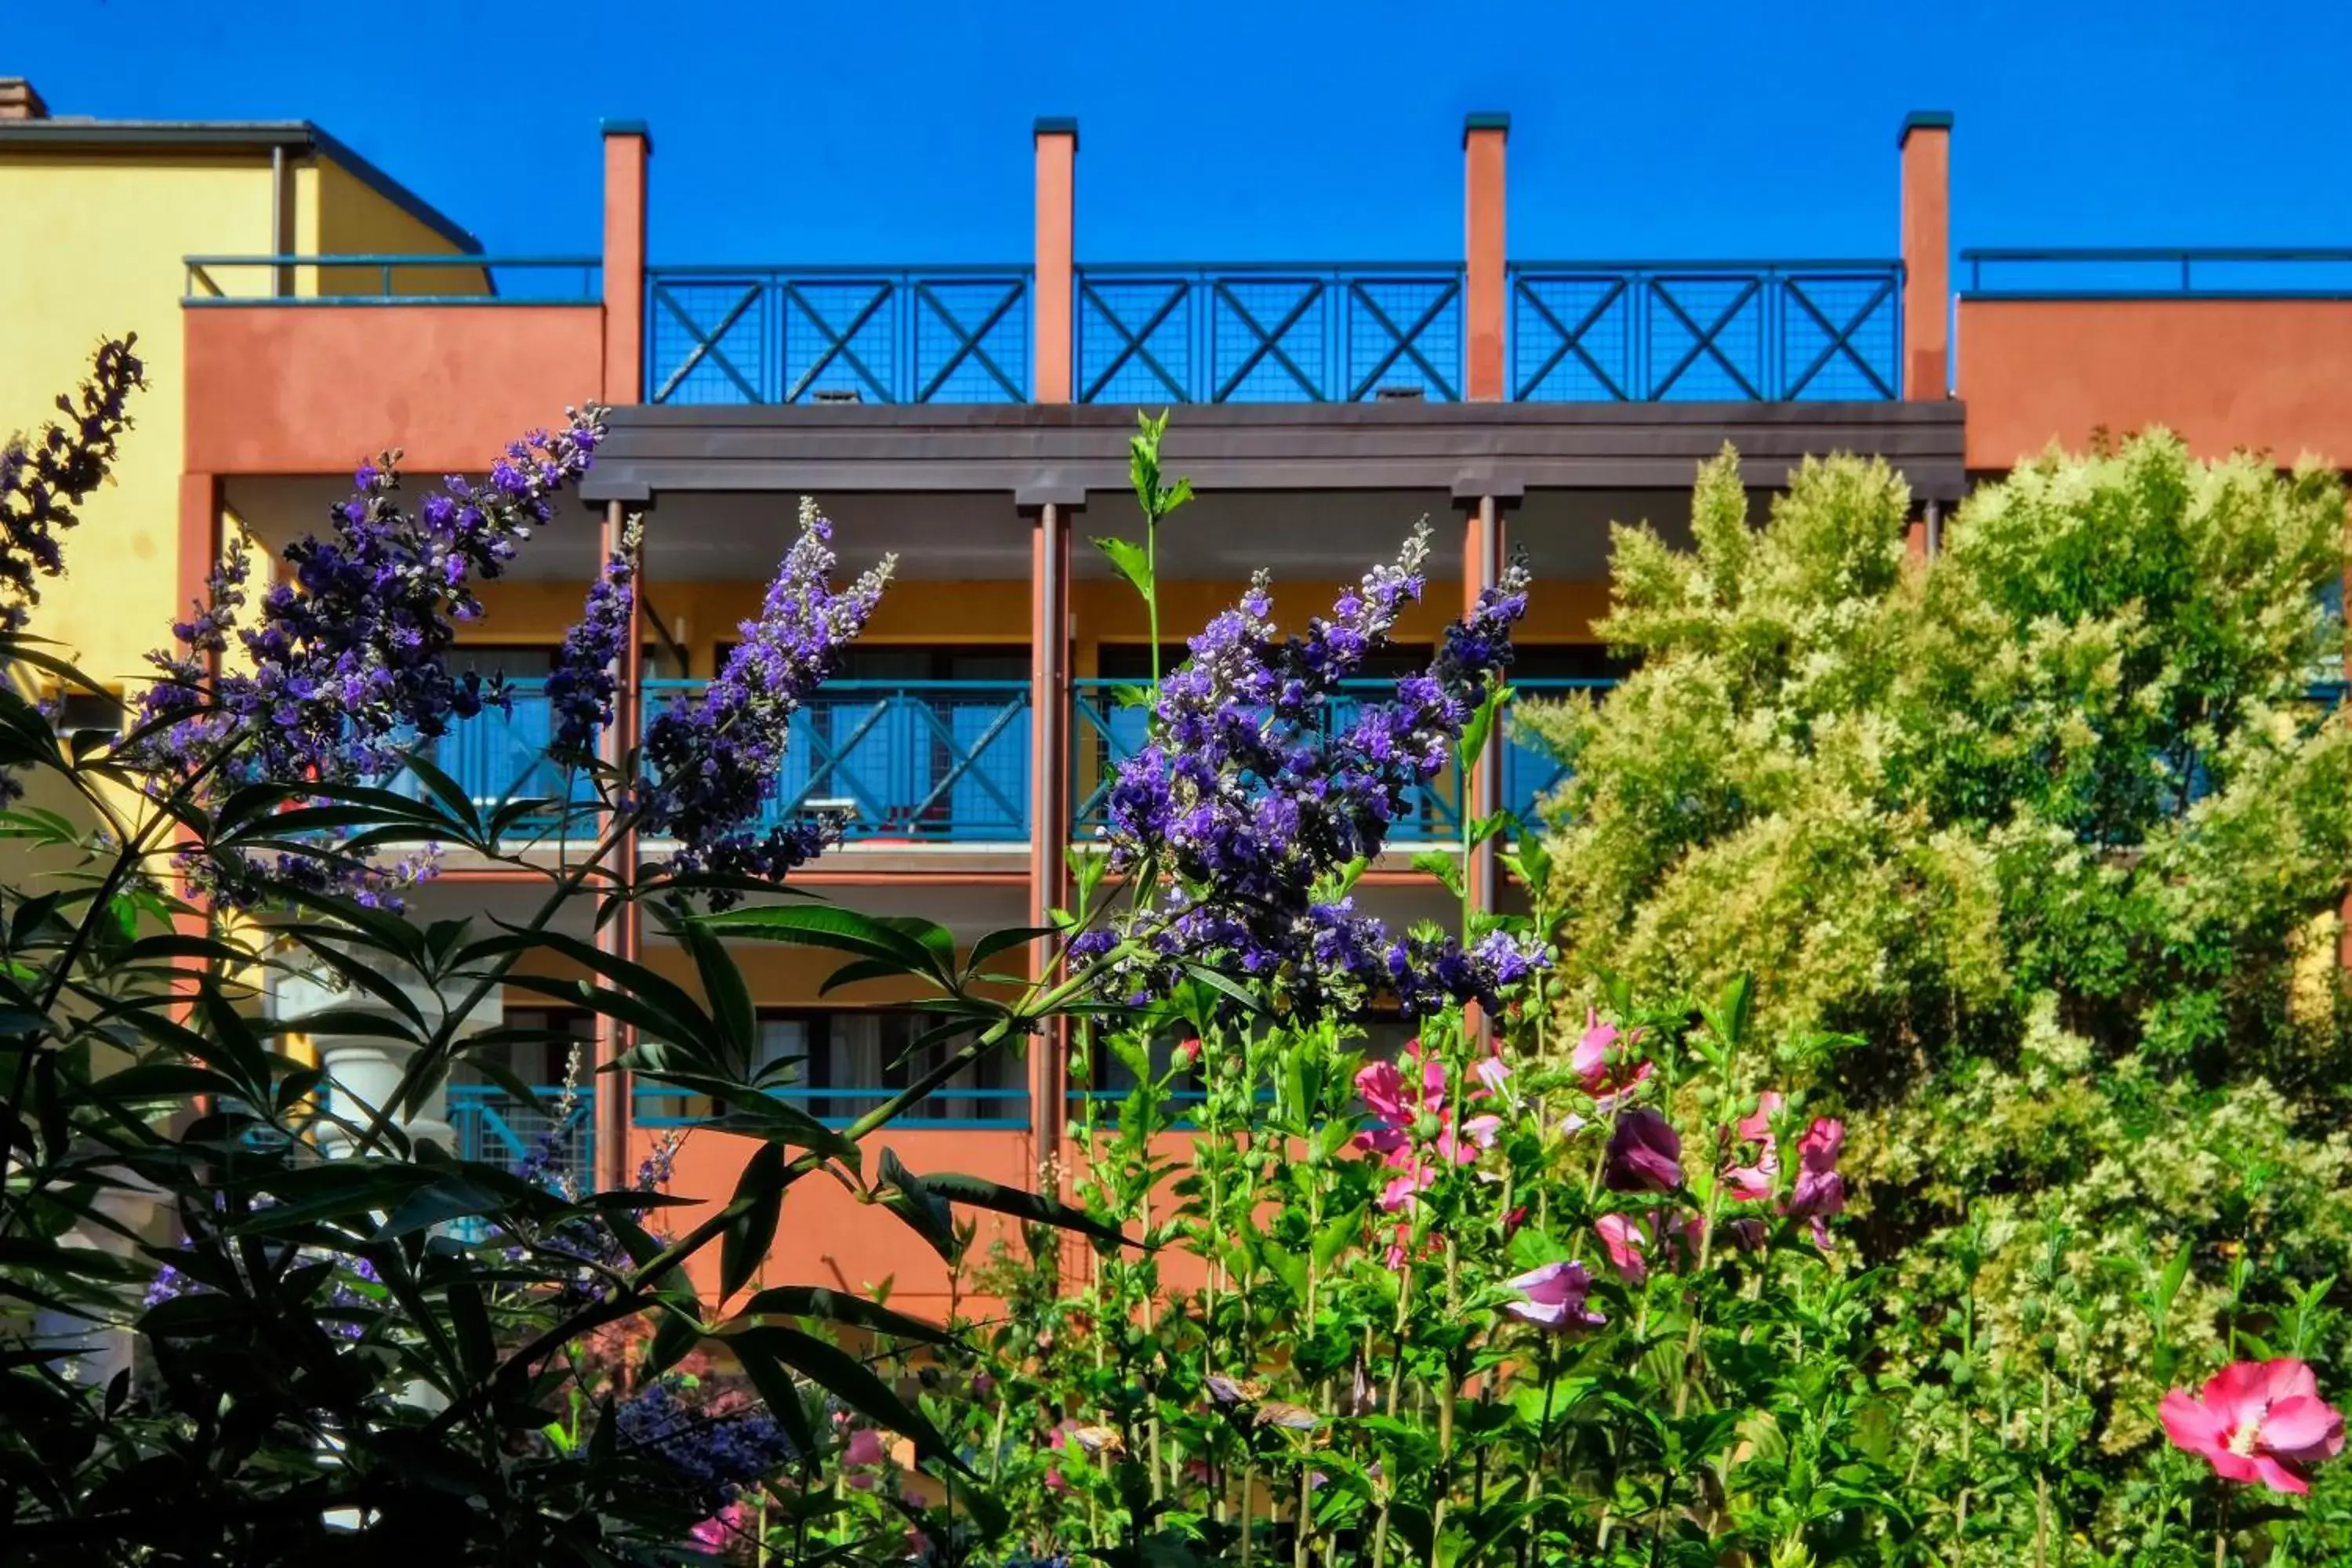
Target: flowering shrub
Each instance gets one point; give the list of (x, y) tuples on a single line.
[(1570, 1279)]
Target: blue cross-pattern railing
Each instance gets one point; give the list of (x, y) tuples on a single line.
[(811, 334), (1105, 730), (1709, 331), (916, 762), (2128, 273), (954, 1107), (500, 755), (403, 279), (1252, 334), (498, 1129), (920, 762)]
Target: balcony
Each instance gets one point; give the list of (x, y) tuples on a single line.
[(1268, 333), (2231, 349), (815, 334), (1760, 332), (898, 761), (937, 762)]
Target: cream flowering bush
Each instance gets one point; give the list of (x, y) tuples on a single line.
[(2053, 831)]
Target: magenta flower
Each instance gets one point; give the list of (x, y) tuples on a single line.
[(1753, 1182), (865, 1448), (1820, 1194), (1645, 1155), (1555, 1297), (2257, 1421), (713, 1533), (1405, 1187), (1626, 1241)]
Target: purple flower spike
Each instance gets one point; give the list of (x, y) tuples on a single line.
[(716, 761), (1249, 796), (582, 686)]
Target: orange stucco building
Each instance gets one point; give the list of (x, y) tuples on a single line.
[(974, 420)]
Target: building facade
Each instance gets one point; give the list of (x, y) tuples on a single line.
[(300, 311)]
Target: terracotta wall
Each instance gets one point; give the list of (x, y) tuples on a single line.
[(312, 388), (2268, 375)]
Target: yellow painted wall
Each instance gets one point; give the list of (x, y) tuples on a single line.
[(102, 242), (354, 219), (112, 229)]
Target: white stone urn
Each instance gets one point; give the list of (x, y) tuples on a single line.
[(363, 1071)]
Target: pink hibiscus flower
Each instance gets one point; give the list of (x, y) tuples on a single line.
[(1820, 1192), (1753, 1182), (2257, 1421), (1554, 1298)]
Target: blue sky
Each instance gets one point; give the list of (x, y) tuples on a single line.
[(1244, 129)]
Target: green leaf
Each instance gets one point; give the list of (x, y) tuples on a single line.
[(910, 1197), (1481, 726), (447, 790), (999, 942), (849, 1379), (729, 997), (1130, 560), (1442, 864), (834, 1306), (1219, 981), (752, 1216), (471, 1323), (778, 1392), (1030, 1208), (843, 931)]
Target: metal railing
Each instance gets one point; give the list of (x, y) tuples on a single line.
[(2160, 273), (393, 280), (851, 334), (953, 1107), (916, 762), (497, 755), (911, 762), (1267, 333), (1642, 332), (1105, 730), (498, 1129)]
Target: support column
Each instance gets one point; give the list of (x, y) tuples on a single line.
[(1925, 145), (1049, 798), (1053, 294), (1482, 786), (1485, 297), (202, 504), (628, 148), (623, 935)]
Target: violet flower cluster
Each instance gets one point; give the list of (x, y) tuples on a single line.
[(42, 482), (713, 1455), (716, 761), (350, 666), (1248, 799), (584, 682)]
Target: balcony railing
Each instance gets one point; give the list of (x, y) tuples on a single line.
[(1712, 331), (936, 762), (905, 762), (495, 1128), (1316, 333), (1106, 730), (956, 1106), (2209, 273), (393, 280), (826, 334)]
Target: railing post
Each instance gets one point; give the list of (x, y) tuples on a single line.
[(1484, 298), (623, 935), (1049, 794), (1481, 564), (628, 148), (1053, 292), (1925, 145)]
